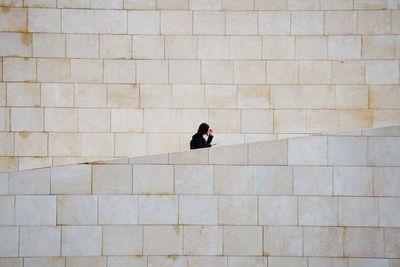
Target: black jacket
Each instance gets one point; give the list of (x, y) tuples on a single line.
[(199, 142)]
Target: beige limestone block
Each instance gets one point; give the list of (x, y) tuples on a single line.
[(237, 210), (193, 179), (61, 120), (148, 47), (379, 47), (112, 179), (31, 144), (220, 96), (184, 71), (155, 96), (274, 23), (237, 261), (19, 69), (236, 180), (217, 72), (82, 45), (168, 261), (3, 87), (315, 72), (86, 70), (104, 4), (363, 242), (27, 163), (245, 47), (386, 117), (198, 210), (12, 262), (318, 96), (111, 21), (286, 96), (357, 262), (40, 241), (16, 44), (180, 47), (282, 72), (312, 180), (241, 22), (228, 155), (94, 120), (48, 45), (323, 241), (143, 22), (122, 240), (208, 22), (272, 180), (205, 4), (370, 4), (44, 20), (243, 240), (352, 96), (86, 261), (389, 212), (277, 153), (289, 121), (81, 240), (9, 244), (72, 179), (311, 47), (318, 211), (203, 240), (249, 72), (347, 150), (384, 96), (237, 5), (355, 119), (357, 211), (277, 210), (7, 144), (162, 143), (386, 181), (213, 47), (189, 157), (270, 5), (35, 210), (340, 22), (353, 181), (14, 19), (395, 21), (118, 209), (119, 71), (115, 46), (3, 183), (253, 96), (77, 210), (7, 205), (53, 70), (23, 94), (225, 120), (323, 121), (27, 119), (152, 71), (383, 151), (176, 22), (283, 241), (278, 47), (188, 119), (317, 261), (287, 261), (170, 244), (391, 237), (159, 120), (122, 95), (77, 21), (73, 3), (126, 120), (307, 22), (126, 261), (374, 22), (303, 5), (140, 4), (90, 95), (173, 5), (9, 164), (45, 262), (257, 121), (153, 179), (344, 47), (65, 144), (57, 95), (97, 144), (158, 209)]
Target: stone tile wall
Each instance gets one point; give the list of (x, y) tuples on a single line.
[(91, 79), (308, 201)]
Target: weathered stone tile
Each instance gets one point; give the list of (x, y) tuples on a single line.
[(9, 237), (274, 22), (193, 179), (122, 240), (353, 181), (127, 261), (308, 151), (198, 210), (312, 180), (203, 240), (357, 211), (278, 210), (170, 244), (228, 155), (347, 150), (45, 262), (318, 211), (233, 180), (238, 210), (35, 210), (272, 180), (40, 241), (86, 261), (75, 179), (158, 209), (323, 241), (30, 182), (120, 209), (283, 241), (81, 240), (387, 181), (389, 215), (287, 261), (153, 179), (363, 242), (243, 240), (241, 22), (384, 151), (77, 210), (392, 242), (143, 22), (112, 179)]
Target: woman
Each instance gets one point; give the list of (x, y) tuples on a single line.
[(198, 140)]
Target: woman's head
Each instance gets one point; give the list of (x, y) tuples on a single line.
[(203, 128)]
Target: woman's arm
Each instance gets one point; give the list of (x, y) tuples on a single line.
[(209, 139)]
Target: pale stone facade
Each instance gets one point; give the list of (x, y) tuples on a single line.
[(82, 80)]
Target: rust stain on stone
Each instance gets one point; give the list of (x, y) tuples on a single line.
[(177, 229), (5, 9), (26, 38), (172, 257), (24, 134)]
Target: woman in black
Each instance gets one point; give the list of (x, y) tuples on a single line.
[(198, 140)]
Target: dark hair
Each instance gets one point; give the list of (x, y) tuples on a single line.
[(203, 128)]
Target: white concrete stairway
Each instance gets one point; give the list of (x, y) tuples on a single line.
[(310, 201)]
